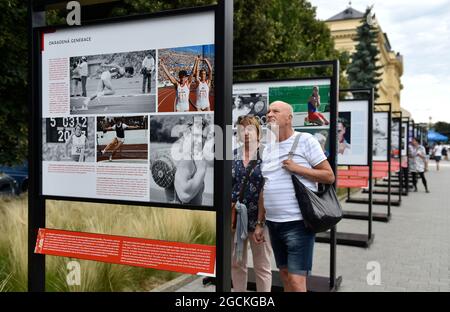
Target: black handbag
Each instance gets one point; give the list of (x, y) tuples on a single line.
[(320, 210)]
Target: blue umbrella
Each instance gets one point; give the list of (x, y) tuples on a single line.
[(436, 136)]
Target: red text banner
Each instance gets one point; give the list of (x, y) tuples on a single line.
[(155, 254)]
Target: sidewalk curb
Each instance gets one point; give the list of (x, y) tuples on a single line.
[(175, 284)]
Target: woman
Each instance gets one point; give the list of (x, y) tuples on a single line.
[(247, 197), (313, 104), (182, 86), (418, 158), (203, 85)]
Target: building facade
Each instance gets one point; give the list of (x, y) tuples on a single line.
[(343, 30)]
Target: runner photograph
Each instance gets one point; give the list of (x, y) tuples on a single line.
[(113, 83), (186, 79), (122, 139)]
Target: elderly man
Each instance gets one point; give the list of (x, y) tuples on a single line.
[(292, 243)]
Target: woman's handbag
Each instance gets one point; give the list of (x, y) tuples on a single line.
[(322, 210)]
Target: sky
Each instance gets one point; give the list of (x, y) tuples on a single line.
[(420, 31)]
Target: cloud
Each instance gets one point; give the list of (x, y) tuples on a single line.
[(424, 97), (420, 31)]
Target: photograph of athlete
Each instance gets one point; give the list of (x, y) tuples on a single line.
[(314, 116), (182, 158), (77, 144), (203, 84), (182, 87), (113, 83), (114, 145), (310, 105), (69, 139), (250, 104), (104, 86), (186, 79)]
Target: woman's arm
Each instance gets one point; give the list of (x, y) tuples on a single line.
[(258, 235), (171, 78)]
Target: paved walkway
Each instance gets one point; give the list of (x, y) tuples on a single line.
[(413, 249)]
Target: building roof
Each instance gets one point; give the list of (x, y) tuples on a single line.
[(348, 13)]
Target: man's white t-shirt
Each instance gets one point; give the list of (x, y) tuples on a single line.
[(438, 150), (279, 195)]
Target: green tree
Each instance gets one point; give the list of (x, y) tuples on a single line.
[(363, 71), (13, 81), (443, 128)]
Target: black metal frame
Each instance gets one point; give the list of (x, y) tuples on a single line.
[(222, 179), (407, 120), (314, 283), (398, 118), (354, 239), (382, 217)]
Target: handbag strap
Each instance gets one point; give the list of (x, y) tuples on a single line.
[(291, 155), (294, 146)]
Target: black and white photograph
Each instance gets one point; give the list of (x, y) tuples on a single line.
[(380, 136), (182, 159), (353, 133), (122, 139), (250, 104), (68, 139), (113, 83), (344, 133), (321, 135)]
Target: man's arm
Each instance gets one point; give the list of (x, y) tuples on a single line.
[(188, 187), (194, 71), (321, 173), (210, 73)]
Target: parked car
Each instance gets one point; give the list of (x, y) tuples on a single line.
[(8, 186), (19, 174)]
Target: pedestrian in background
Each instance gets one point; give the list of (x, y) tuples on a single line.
[(418, 158), (437, 152)]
